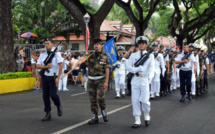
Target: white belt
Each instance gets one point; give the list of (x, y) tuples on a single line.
[(186, 69), (50, 74), (95, 77)]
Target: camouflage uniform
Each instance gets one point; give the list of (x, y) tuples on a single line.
[(97, 66), (169, 75), (201, 77)]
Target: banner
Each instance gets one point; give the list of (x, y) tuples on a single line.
[(110, 50)]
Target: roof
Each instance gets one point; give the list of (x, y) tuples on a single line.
[(75, 38), (166, 41), (125, 39)]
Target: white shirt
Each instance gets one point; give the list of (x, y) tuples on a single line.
[(33, 62), (55, 61), (166, 58), (207, 62), (187, 65), (65, 63), (59, 48), (159, 62), (148, 66), (121, 65)]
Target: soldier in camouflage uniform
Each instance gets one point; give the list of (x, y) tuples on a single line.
[(98, 81), (197, 53), (201, 64), (171, 69)]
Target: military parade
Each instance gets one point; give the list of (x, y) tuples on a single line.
[(107, 67)]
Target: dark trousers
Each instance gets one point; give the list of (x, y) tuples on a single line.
[(205, 78), (163, 81), (185, 79), (129, 85), (49, 90)]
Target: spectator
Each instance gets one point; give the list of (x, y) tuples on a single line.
[(28, 67), (25, 61), (42, 41), (21, 58), (33, 62), (31, 40), (76, 69), (84, 72)]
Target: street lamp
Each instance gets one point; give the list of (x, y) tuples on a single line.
[(87, 20)]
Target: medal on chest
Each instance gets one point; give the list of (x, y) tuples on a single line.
[(102, 61)]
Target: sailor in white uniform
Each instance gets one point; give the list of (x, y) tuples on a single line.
[(159, 63), (140, 81), (119, 73)]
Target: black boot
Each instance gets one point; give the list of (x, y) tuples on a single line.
[(47, 117), (94, 120), (59, 110), (182, 98), (147, 123), (201, 91), (129, 93), (188, 96), (105, 117)]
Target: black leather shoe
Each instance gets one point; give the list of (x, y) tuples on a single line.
[(129, 94), (147, 123), (152, 98), (59, 110), (105, 117), (188, 96), (94, 120), (182, 99), (136, 126), (47, 117), (117, 97), (123, 96)]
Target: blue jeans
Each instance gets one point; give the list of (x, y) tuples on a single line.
[(84, 73)]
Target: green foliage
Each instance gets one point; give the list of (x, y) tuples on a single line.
[(163, 21), (117, 13), (15, 75), (46, 18)]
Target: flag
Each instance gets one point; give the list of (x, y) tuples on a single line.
[(212, 57), (110, 50), (87, 38)]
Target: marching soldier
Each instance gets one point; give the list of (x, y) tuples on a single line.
[(206, 70), (50, 80), (195, 86), (98, 81), (166, 62), (159, 62), (201, 64), (171, 70), (186, 61), (119, 73), (140, 81), (63, 82)]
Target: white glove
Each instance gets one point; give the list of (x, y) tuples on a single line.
[(140, 69)]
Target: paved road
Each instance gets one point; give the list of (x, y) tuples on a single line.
[(20, 113)]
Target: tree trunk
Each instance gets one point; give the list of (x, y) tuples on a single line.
[(179, 42), (94, 32), (7, 58)]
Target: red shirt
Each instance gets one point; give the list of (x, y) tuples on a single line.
[(28, 69)]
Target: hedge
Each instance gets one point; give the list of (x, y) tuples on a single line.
[(15, 75)]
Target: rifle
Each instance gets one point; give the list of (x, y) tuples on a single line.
[(47, 61), (139, 62), (158, 52), (185, 57)]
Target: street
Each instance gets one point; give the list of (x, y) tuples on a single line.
[(20, 113)]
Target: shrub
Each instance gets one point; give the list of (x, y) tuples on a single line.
[(15, 75)]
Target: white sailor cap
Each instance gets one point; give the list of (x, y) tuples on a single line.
[(142, 39), (191, 45), (120, 48), (154, 43)]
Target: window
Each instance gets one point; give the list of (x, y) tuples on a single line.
[(75, 46)]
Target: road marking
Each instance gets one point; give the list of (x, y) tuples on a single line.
[(79, 94), (86, 121)]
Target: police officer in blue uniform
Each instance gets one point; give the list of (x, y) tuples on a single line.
[(50, 79)]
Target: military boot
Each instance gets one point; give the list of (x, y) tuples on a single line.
[(47, 117), (105, 117), (94, 120)]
